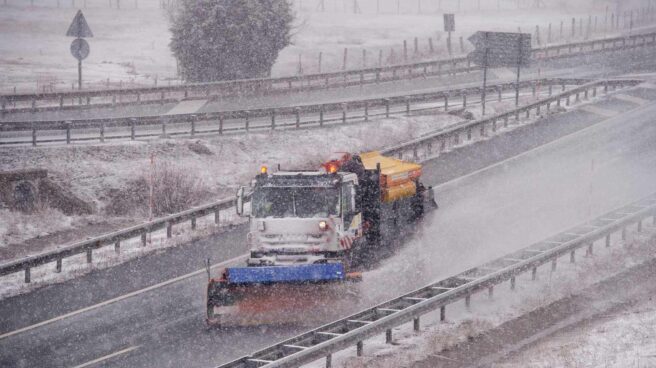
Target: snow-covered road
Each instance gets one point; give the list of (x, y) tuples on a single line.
[(566, 169)]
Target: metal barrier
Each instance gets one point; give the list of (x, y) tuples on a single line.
[(351, 331), (441, 140), (414, 146), (115, 239), (166, 94), (242, 121)]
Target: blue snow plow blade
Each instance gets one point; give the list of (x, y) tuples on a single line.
[(302, 273)]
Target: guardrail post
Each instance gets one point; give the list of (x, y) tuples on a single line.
[(550, 89), (416, 322), (297, 113), (388, 336), (359, 348), (33, 105), (512, 283), (117, 247), (88, 100), (554, 262), (468, 301), (464, 100), (572, 257), (143, 239), (161, 98), (562, 87), (537, 110), (193, 125), (407, 105), (329, 361), (456, 139), (321, 110), (102, 132), (132, 129), (138, 97), (567, 101), (594, 92), (534, 273), (61, 102), (558, 102), (58, 265), (528, 113), (217, 216), (221, 121), (469, 134), (505, 121), (163, 127), (68, 132), (548, 106), (273, 119), (490, 292), (28, 278), (533, 89), (344, 108), (387, 107), (366, 111), (517, 116), (443, 313), (590, 250), (494, 125), (34, 136), (578, 97), (193, 222), (169, 230), (89, 255), (498, 92), (446, 102)]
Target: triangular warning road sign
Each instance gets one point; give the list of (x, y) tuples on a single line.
[(79, 28)]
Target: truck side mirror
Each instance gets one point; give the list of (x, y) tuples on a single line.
[(240, 201)]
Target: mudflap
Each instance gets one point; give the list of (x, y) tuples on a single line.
[(275, 303), (428, 199)]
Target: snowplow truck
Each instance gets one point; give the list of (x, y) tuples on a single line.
[(312, 232)]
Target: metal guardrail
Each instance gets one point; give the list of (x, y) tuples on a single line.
[(115, 239), (415, 147), (165, 94), (243, 121), (441, 140), (351, 331)]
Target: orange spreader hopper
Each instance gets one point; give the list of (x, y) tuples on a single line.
[(397, 177)]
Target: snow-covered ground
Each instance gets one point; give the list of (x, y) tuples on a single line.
[(605, 345), (625, 339), (130, 46), (97, 173)]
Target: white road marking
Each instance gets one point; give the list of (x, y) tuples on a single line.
[(179, 278), (631, 99), (599, 111), (122, 297), (108, 356)]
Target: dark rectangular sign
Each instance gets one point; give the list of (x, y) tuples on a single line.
[(504, 49), (449, 23)]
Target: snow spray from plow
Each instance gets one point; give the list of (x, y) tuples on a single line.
[(311, 232), (333, 337)]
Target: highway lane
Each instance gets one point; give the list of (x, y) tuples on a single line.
[(579, 67), (509, 205)]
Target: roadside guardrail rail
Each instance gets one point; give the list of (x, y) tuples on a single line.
[(427, 146), (243, 121), (351, 331), (164, 94)]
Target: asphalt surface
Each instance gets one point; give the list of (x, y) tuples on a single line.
[(598, 165), (578, 67)]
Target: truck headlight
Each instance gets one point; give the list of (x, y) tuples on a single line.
[(323, 225)]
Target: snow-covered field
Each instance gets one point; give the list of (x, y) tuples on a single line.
[(130, 46), (606, 345)]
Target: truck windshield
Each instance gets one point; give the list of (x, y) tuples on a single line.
[(295, 202)]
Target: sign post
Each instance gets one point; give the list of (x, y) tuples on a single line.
[(79, 47), (449, 26), (500, 49)]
